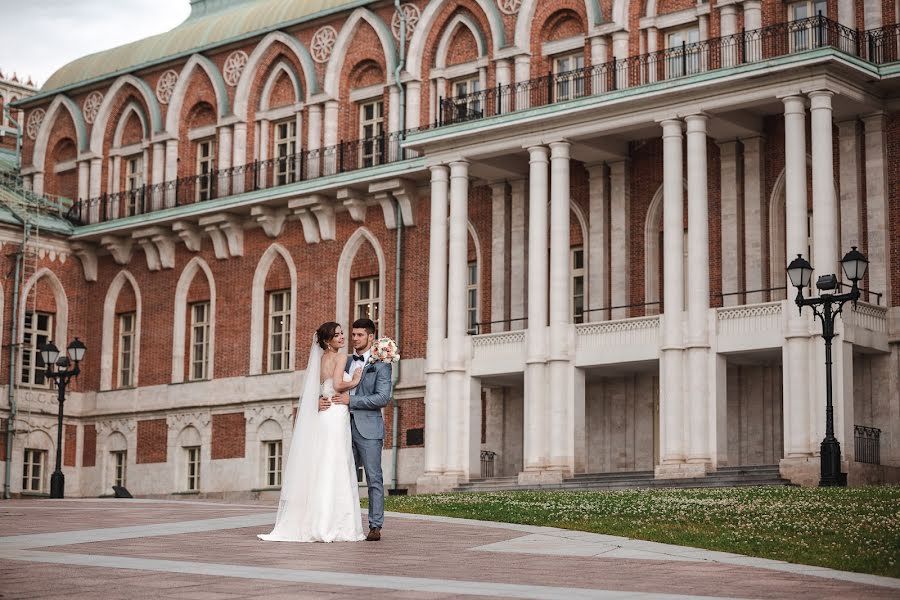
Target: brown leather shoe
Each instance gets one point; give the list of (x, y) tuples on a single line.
[(374, 534)]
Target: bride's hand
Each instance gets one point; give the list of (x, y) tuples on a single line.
[(357, 375)]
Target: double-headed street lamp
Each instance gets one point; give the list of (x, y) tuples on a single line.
[(827, 307), (63, 374)]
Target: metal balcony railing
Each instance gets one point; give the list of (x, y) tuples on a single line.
[(877, 46), (867, 444), (257, 175)]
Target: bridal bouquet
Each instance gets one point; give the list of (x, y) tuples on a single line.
[(384, 350)]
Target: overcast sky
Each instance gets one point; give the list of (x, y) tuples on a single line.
[(40, 36)]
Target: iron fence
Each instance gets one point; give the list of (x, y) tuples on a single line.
[(867, 444), (487, 463)]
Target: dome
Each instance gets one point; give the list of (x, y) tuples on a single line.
[(211, 23)]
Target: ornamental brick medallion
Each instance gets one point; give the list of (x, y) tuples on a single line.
[(34, 122), (509, 7), (234, 67), (323, 43), (166, 86), (412, 14), (91, 106)]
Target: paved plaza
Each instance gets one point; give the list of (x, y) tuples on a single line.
[(159, 549)]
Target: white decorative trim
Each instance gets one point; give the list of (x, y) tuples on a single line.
[(322, 43), (158, 245), (412, 14), (270, 218), (91, 106), (489, 340), (180, 323), (345, 263), (34, 122), (258, 304), (682, 17), (87, 254), (62, 167), (107, 343), (60, 299), (227, 234), (569, 44), (205, 131), (189, 233), (354, 203), (131, 107), (119, 247), (165, 86), (509, 7), (234, 67), (365, 93), (443, 46)]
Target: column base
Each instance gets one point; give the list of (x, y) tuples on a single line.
[(540, 477), (681, 470), (805, 471), (436, 484)]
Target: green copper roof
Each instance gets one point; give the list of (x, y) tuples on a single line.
[(212, 22)]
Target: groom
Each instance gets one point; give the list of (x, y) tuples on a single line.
[(366, 423)]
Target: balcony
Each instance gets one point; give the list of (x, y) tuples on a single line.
[(876, 46), (498, 353), (620, 341), (272, 174), (750, 327)]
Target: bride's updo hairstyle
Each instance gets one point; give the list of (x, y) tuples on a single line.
[(325, 333)]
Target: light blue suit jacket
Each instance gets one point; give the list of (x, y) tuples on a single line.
[(372, 394)]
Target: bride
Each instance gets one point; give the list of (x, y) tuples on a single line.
[(319, 494)]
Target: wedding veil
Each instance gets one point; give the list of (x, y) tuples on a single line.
[(301, 459)]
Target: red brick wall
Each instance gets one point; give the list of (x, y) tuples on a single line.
[(3, 434), (228, 435), (70, 445), (412, 416), (89, 450), (152, 441)]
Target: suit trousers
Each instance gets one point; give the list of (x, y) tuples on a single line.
[(367, 454)]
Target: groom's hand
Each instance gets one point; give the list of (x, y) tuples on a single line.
[(343, 398), (324, 403)]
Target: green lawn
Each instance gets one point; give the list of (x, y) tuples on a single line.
[(853, 529)]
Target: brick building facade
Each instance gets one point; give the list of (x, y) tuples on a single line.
[(512, 189)]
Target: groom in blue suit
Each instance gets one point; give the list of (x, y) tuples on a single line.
[(366, 422)]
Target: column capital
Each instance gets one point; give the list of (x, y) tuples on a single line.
[(439, 172), (873, 121), (459, 168), (820, 99), (560, 149), (672, 127), (538, 153), (696, 123), (794, 104)]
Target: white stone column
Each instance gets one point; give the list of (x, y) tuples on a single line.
[(457, 394), (413, 104), (314, 140), (877, 207), (699, 445), (522, 98), (561, 458), (330, 137), (754, 202), (239, 157), (825, 210), (620, 238), (671, 397), (621, 51), (262, 176), (96, 185), (38, 183), (393, 110), (499, 254), (518, 248), (599, 50), (504, 72), (728, 19), (158, 175), (435, 398), (731, 223), (850, 164), (597, 242), (752, 21), (536, 442), (224, 162), (84, 180), (847, 13), (795, 367), (872, 10), (171, 172)]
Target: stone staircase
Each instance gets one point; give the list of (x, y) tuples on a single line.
[(723, 477)]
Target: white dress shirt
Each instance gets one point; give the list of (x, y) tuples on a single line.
[(356, 365)]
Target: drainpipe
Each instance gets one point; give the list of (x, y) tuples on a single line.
[(398, 269), (14, 321)]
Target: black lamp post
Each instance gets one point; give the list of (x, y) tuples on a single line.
[(63, 375), (827, 307)]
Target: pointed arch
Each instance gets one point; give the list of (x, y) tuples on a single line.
[(178, 334), (100, 123), (342, 45), (281, 67), (197, 61), (258, 306), (426, 24), (463, 20), (107, 342), (345, 263), (131, 107), (242, 93), (526, 16), (60, 102), (652, 223), (620, 10), (61, 330)]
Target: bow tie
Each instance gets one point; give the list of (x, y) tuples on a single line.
[(358, 357)]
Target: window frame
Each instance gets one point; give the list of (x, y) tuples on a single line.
[(372, 300), (274, 462), (192, 468), (120, 467), (569, 83), (28, 470), (285, 150), (683, 63), (468, 105), (285, 313), (576, 273), (473, 312), (371, 151), (32, 339), (204, 169), (203, 328), (134, 183), (126, 349)]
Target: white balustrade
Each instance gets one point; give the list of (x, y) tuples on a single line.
[(498, 353), (623, 340), (750, 327)]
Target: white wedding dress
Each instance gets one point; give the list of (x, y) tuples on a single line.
[(319, 494)]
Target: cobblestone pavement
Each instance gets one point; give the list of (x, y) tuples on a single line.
[(141, 549)]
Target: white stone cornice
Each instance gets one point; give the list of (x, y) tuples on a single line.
[(354, 203), (189, 233), (227, 234), (87, 254), (271, 219), (119, 247), (404, 192), (158, 245)]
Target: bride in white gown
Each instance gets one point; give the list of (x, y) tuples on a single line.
[(319, 494)]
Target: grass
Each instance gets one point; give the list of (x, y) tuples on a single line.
[(852, 529)]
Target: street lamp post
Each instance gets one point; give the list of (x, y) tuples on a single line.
[(63, 375), (827, 307)]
